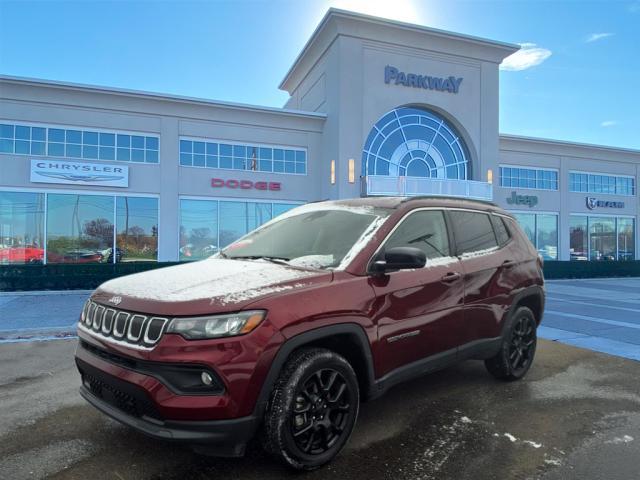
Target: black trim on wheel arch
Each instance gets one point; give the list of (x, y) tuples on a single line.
[(530, 291), (307, 338)]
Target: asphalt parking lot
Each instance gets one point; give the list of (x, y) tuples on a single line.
[(575, 416)]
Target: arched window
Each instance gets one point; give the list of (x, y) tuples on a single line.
[(414, 142)]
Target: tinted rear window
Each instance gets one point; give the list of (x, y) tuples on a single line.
[(500, 227), (473, 231)]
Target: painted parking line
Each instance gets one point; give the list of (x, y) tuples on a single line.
[(593, 319), (608, 307)]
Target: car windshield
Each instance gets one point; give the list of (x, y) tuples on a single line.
[(310, 236)]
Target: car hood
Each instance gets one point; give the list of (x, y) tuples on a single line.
[(205, 287)]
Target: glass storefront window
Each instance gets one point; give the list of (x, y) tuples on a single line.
[(602, 238), (626, 239), (547, 236), (542, 231), (578, 246), (609, 238), (136, 230), (209, 225), (21, 227), (198, 229), (79, 228), (527, 222)]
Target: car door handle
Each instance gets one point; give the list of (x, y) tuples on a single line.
[(508, 263), (451, 277)]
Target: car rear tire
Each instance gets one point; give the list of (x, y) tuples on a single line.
[(313, 409), (518, 347)]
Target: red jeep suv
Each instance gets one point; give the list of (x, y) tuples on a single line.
[(285, 331)]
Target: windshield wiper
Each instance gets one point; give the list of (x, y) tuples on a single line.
[(274, 259)]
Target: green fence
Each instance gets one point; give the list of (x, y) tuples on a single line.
[(579, 269), (68, 277), (89, 276)]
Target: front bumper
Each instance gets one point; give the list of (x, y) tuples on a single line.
[(130, 405)]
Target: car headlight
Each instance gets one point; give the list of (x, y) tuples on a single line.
[(216, 326)]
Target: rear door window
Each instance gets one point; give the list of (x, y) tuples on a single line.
[(473, 231), (500, 227), (426, 230)]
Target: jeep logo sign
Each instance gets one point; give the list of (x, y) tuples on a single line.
[(528, 200), (245, 184)]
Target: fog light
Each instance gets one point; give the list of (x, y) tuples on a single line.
[(206, 378)]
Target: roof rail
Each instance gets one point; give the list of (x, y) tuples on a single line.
[(439, 197)]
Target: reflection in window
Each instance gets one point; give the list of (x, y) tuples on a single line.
[(21, 227), (425, 230), (473, 231), (578, 246), (414, 142), (239, 218), (542, 231), (71, 143), (136, 230), (198, 229), (79, 228), (242, 157), (280, 208), (626, 239), (609, 184), (537, 178), (547, 236), (602, 238), (209, 225)]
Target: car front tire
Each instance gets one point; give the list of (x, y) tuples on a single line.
[(518, 347), (313, 409)]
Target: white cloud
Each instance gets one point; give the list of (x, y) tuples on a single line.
[(528, 56), (594, 37), (608, 123)]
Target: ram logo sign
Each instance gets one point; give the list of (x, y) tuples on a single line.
[(77, 173)]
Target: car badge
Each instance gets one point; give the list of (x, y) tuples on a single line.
[(115, 300)]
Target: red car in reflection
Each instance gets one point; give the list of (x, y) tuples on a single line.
[(22, 254)]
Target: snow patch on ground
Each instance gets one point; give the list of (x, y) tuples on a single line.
[(533, 444), (619, 440), (212, 278), (510, 437)]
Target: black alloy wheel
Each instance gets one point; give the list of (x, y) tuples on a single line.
[(313, 409), (518, 347), (321, 411), (523, 339)]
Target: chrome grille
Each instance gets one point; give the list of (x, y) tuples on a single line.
[(134, 329)]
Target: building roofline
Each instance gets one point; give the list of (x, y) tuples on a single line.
[(338, 12), (566, 143), (158, 96)]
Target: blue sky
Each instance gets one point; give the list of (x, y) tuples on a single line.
[(578, 79)]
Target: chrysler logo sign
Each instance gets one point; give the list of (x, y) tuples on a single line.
[(593, 202), (449, 84), (245, 184), (79, 173)]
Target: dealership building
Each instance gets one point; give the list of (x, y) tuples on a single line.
[(376, 107)]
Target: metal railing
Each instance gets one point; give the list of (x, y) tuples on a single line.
[(373, 185)]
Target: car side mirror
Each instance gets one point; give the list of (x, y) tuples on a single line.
[(399, 258)]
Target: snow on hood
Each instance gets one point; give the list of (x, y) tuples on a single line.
[(222, 280)]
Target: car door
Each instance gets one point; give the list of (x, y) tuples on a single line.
[(486, 264), (419, 312)]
